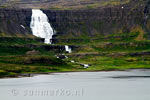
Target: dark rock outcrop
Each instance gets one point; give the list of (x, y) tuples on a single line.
[(33, 52), (15, 22), (80, 23)]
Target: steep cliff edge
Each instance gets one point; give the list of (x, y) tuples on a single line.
[(60, 4), (15, 22), (86, 23)]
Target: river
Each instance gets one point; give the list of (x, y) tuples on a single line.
[(113, 85)]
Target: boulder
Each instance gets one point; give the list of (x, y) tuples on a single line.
[(33, 52)]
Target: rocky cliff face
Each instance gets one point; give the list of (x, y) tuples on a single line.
[(15, 22), (104, 21), (126, 18)]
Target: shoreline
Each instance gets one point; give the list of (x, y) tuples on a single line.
[(50, 73)]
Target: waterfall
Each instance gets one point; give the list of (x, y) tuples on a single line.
[(68, 49), (40, 26)]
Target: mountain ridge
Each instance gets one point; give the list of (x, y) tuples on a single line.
[(60, 4), (82, 23)]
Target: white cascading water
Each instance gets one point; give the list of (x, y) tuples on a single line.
[(68, 49), (40, 26)]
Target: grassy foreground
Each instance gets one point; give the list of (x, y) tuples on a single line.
[(20, 56)]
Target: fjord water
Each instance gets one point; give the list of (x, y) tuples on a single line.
[(116, 85), (40, 25)]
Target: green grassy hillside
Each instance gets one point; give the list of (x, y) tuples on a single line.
[(114, 52), (116, 39)]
